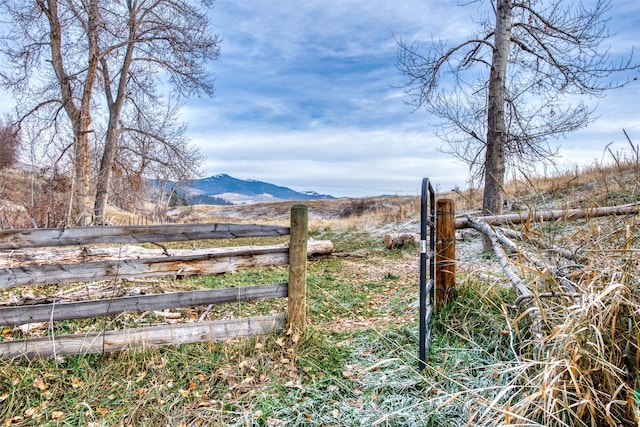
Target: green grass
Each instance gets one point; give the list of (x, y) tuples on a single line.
[(356, 377), (355, 365)]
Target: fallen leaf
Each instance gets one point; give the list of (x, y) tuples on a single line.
[(56, 415), (32, 327), (40, 384)]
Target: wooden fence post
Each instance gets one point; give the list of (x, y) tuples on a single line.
[(445, 251), (298, 268)]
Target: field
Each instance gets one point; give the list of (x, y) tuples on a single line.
[(356, 364)]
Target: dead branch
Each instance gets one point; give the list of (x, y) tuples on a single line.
[(564, 253), (521, 299), (521, 288), (479, 224), (525, 295), (565, 214)]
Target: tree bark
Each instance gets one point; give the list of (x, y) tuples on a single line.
[(494, 168), (115, 104), (80, 116)]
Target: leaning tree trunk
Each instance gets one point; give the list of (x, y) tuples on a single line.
[(494, 166), (104, 174), (115, 102)]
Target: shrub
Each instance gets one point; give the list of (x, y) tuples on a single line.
[(9, 145), (357, 207)]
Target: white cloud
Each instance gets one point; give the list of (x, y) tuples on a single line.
[(309, 97)]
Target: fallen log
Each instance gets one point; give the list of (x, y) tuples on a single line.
[(521, 288), (566, 214), (525, 295), (398, 240)]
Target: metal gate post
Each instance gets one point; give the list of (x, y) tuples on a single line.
[(427, 288)]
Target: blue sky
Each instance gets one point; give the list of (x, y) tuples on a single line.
[(308, 96)]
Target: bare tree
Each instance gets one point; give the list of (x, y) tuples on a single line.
[(91, 60), (152, 146), (170, 36), (510, 84), (51, 67)]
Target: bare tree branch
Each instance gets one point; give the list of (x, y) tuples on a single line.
[(502, 94)]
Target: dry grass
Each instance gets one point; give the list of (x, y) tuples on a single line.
[(486, 368), (324, 215), (583, 368)]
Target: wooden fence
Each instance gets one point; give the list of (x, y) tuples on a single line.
[(137, 265)]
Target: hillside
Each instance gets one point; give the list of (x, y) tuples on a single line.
[(493, 360), (28, 198), (238, 191)]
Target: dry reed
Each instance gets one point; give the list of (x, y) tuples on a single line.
[(583, 370)]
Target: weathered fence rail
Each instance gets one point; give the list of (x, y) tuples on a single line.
[(39, 237), (145, 263)]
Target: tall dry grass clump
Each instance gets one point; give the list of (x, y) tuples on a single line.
[(583, 368)]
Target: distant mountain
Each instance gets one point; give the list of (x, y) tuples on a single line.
[(220, 188)]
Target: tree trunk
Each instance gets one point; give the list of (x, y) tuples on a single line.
[(104, 175), (115, 103), (80, 116), (496, 127), (80, 197)]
